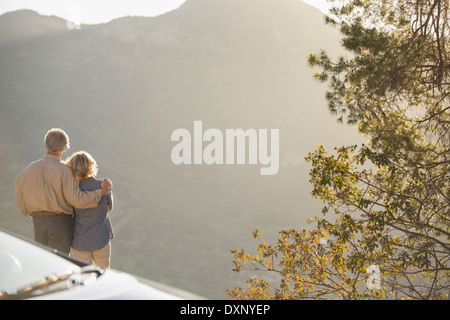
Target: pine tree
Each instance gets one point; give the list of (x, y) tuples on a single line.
[(385, 227)]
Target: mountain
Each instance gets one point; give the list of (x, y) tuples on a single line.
[(120, 89), (26, 24)]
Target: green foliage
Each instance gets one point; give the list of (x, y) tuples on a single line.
[(389, 200), (332, 259)]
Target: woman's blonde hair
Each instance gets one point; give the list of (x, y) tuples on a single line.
[(82, 164)]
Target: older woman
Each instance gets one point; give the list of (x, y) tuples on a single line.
[(93, 232)]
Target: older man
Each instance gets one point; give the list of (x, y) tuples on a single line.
[(47, 192)]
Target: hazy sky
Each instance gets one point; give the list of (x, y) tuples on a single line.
[(99, 11)]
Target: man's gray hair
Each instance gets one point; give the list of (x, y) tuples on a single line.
[(57, 140)]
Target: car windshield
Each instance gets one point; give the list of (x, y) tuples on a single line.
[(23, 264)]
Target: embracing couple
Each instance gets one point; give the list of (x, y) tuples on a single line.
[(68, 205)]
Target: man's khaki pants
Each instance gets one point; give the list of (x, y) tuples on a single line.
[(100, 258)]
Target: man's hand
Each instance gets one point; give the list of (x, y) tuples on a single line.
[(106, 186)]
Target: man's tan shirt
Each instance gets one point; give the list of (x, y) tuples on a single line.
[(48, 185)]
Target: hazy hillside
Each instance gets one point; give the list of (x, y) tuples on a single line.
[(120, 89)]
